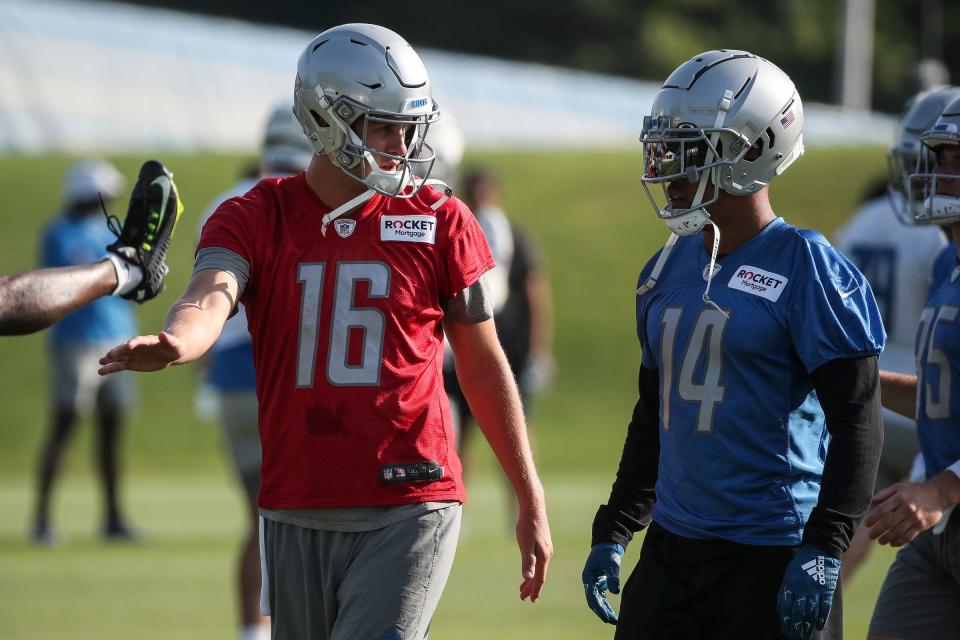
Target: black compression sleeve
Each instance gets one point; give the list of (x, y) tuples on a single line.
[(849, 393), (632, 496)]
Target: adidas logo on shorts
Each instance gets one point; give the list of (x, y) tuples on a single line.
[(815, 570)]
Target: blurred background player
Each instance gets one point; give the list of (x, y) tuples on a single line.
[(897, 258), (519, 288), (918, 599), (230, 373), (521, 296), (78, 237)]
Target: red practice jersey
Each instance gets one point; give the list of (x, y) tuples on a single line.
[(347, 340)]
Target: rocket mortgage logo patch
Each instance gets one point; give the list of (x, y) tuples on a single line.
[(408, 228), (765, 284)]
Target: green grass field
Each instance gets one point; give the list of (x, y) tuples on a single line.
[(595, 229)]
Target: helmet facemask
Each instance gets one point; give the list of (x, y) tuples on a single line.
[(686, 152), (934, 186), (907, 163), (911, 160), (360, 160)]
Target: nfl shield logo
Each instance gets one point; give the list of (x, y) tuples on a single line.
[(706, 270), (344, 227)]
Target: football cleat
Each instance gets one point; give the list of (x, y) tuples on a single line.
[(152, 216)]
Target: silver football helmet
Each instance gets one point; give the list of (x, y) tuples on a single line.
[(726, 120), (356, 74), (936, 183), (285, 149), (908, 156)]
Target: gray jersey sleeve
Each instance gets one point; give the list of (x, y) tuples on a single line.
[(473, 305), (224, 260)]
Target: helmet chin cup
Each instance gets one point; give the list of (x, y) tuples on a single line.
[(942, 209), (391, 183), (686, 224)]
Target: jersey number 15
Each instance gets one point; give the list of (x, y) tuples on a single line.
[(935, 408)]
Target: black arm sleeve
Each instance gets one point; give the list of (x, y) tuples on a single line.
[(632, 496), (849, 392)]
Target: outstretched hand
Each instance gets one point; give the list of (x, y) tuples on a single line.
[(899, 513), (143, 353), (536, 549)]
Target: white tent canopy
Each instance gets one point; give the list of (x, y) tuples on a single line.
[(103, 76)]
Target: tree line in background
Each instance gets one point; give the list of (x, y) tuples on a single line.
[(645, 39)]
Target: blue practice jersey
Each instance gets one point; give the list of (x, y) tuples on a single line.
[(938, 367), (742, 434), (75, 241), (943, 266)]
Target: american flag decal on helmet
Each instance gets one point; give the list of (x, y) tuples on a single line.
[(788, 119)]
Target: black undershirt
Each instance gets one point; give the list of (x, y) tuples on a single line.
[(849, 393)]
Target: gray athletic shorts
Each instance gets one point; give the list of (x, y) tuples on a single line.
[(76, 386), (382, 584), (238, 416), (920, 598)]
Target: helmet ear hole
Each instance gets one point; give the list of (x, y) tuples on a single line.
[(318, 119), (757, 149)]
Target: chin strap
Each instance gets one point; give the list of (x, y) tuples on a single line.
[(713, 263), (364, 197), (346, 207), (658, 267), (662, 261), (439, 185)]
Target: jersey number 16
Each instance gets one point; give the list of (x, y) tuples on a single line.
[(346, 317)]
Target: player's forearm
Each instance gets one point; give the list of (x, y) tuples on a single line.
[(854, 420), (196, 326), (491, 391), (898, 392), (629, 507), (34, 300), (197, 318)]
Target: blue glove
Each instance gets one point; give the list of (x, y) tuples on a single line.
[(602, 571), (807, 592)]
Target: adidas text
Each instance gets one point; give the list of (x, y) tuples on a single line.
[(816, 570)]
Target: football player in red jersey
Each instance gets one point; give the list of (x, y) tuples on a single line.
[(349, 273)]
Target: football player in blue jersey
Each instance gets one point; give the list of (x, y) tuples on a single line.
[(81, 294), (899, 260), (753, 448), (920, 594)]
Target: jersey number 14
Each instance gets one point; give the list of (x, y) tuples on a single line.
[(706, 342)]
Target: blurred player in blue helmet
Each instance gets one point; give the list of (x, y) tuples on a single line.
[(897, 259), (920, 594), (285, 151)]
